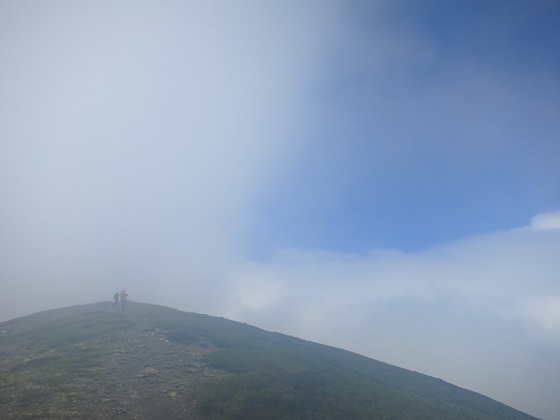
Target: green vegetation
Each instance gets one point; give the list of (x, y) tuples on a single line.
[(57, 357), (271, 381), (273, 376), (74, 329), (306, 394)]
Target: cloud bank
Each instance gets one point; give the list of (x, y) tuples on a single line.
[(503, 272)]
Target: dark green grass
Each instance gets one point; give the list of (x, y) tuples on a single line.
[(268, 375), (79, 327), (52, 356), (273, 376), (305, 394)]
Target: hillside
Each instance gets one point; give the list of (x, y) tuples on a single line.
[(152, 362)]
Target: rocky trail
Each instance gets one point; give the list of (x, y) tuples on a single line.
[(141, 375)]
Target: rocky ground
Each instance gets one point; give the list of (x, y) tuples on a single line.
[(141, 375), (147, 362), (149, 377)]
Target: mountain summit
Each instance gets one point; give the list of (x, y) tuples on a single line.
[(153, 362)]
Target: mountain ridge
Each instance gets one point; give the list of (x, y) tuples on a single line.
[(151, 362)]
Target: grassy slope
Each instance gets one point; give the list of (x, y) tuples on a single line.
[(43, 361), (282, 376), (271, 375)]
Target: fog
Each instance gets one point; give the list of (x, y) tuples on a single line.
[(252, 161), (133, 138)]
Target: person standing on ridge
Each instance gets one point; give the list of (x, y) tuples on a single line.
[(123, 296)]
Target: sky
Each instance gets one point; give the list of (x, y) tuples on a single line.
[(380, 176)]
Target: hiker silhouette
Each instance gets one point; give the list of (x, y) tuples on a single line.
[(123, 297)]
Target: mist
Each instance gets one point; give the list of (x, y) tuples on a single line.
[(133, 138), (327, 170)]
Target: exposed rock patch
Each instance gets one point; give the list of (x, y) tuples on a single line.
[(141, 374)]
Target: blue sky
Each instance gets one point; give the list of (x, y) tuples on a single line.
[(434, 122), (380, 176)]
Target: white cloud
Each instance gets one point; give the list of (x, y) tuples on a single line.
[(500, 272), (546, 221), (255, 295), (545, 312)]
